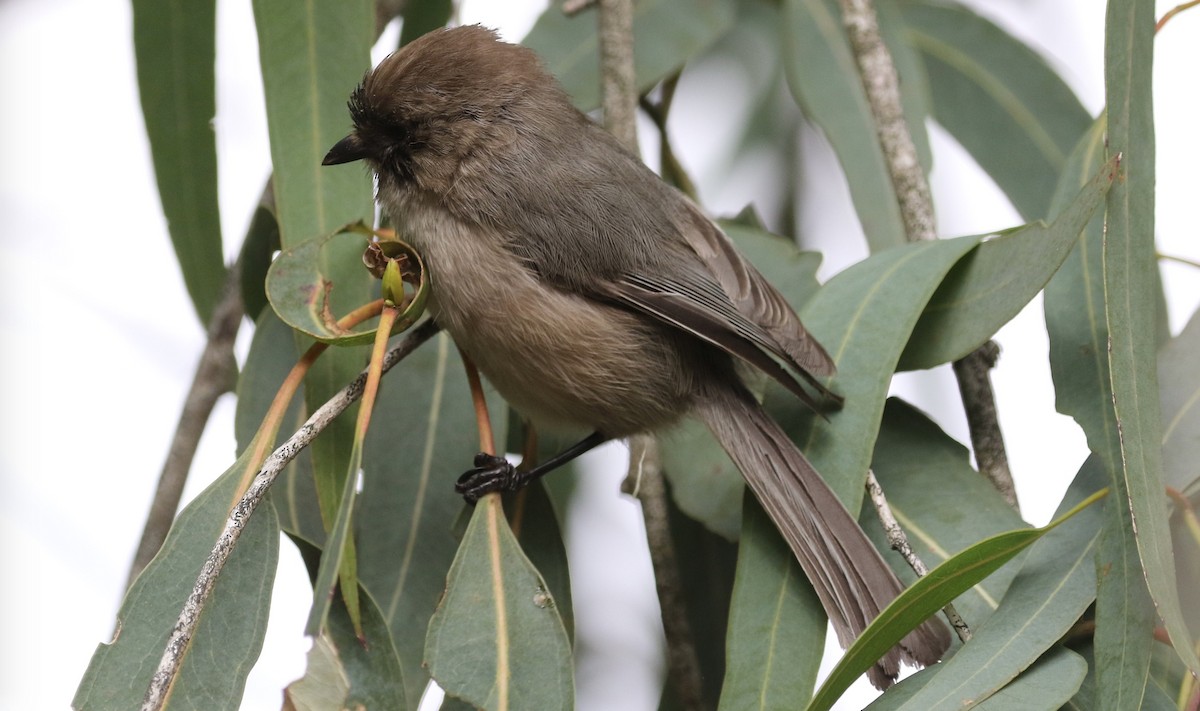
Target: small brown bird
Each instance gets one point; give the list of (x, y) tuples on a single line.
[(597, 298)]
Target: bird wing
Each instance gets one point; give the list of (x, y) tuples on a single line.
[(722, 299)]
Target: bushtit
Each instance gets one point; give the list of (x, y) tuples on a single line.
[(598, 298)]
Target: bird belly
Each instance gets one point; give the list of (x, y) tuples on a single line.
[(563, 360)]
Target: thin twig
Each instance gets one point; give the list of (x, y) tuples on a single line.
[(899, 542), (980, 405), (617, 79), (882, 87), (216, 374), (683, 662), (185, 627), (1172, 13), (620, 101)]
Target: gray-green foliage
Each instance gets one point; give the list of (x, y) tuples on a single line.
[(500, 636)]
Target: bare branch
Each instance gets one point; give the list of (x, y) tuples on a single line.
[(683, 663), (617, 80), (899, 543)]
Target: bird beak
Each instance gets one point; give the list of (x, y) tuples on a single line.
[(347, 150)]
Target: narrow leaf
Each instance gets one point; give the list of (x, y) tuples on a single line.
[(1048, 683), (230, 633), (313, 54), (1130, 285), (1124, 611), (423, 16), (1179, 388), (824, 78), (1055, 585), (864, 317), (999, 99), (666, 34), (496, 640), (776, 633), (346, 672), (988, 288), (175, 45)]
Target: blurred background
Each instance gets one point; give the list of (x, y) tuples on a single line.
[(101, 340)]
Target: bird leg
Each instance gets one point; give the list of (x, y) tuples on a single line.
[(493, 473)]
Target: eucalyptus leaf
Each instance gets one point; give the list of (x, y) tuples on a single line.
[(304, 285), (998, 98), (496, 639), (991, 286), (666, 34), (346, 672), (1179, 389), (230, 633), (272, 355), (824, 78), (175, 45), (1055, 585), (863, 317), (776, 632), (1131, 307)]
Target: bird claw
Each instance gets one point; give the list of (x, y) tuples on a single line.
[(490, 473)]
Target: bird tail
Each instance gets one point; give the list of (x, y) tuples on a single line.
[(850, 577)]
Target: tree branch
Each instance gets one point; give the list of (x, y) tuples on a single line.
[(617, 79), (882, 86), (239, 516), (899, 543), (683, 663)]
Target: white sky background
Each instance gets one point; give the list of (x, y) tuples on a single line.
[(103, 342)]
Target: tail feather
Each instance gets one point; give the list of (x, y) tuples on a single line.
[(850, 577)]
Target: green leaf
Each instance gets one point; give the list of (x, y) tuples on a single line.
[(999, 99), (705, 483), (313, 54), (863, 317), (824, 78), (989, 287), (175, 44), (230, 633), (424, 16), (1055, 585), (666, 34), (259, 247), (1078, 345), (913, 457), (303, 286), (776, 632), (1131, 309), (496, 640), (345, 672), (1050, 681), (422, 439), (1179, 390), (534, 523)]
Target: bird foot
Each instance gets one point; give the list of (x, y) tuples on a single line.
[(490, 473)]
